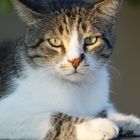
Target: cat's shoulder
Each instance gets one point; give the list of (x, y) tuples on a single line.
[(9, 56), (8, 63), (7, 48)]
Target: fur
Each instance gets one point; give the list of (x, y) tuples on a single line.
[(43, 95), (33, 102)]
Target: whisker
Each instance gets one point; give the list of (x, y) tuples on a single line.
[(114, 74)]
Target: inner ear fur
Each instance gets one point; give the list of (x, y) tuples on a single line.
[(109, 7)]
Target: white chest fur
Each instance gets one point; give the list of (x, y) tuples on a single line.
[(26, 112)]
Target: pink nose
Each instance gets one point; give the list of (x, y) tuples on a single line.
[(76, 62)]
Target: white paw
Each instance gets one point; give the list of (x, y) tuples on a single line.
[(130, 126), (97, 129)]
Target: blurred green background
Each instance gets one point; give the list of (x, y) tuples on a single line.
[(5, 6), (125, 69)]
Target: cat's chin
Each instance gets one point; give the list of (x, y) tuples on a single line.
[(75, 77)]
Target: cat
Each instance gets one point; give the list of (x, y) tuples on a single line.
[(54, 80)]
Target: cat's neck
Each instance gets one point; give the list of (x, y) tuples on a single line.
[(61, 95)]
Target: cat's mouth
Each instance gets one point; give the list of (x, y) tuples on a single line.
[(75, 72), (75, 75), (81, 73)]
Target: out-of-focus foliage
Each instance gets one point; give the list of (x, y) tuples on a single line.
[(6, 6), (134, 1)]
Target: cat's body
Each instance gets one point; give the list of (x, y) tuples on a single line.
[(55, 89), (38, 95)]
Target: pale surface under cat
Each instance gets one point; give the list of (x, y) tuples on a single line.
[(54, 81)]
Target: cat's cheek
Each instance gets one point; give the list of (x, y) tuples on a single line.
[(91, 60)]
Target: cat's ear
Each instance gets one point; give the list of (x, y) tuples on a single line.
[(27, 14), (108, 8)]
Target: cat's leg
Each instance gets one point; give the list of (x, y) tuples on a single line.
[(73, 128), (129, 125)]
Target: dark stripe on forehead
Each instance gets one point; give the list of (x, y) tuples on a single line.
[(84, 27), (78, 23), (60, 29), (66, 24)]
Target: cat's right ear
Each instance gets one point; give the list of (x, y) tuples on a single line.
[(26, 13)]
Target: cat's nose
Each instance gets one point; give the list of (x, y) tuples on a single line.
[(76, 62)]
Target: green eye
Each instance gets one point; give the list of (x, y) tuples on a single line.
[(90, 40), (55, 42)]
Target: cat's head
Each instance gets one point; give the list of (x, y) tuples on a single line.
[(72, 39)]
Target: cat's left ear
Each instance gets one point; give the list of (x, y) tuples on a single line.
[(108, 8), (26, 12)]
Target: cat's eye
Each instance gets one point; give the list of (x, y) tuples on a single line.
[(90, 40), (55, 42)]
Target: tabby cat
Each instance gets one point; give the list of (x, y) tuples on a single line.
[(54, 81)]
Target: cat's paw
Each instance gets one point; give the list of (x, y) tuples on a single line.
[(97, 129), (129, 126)]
